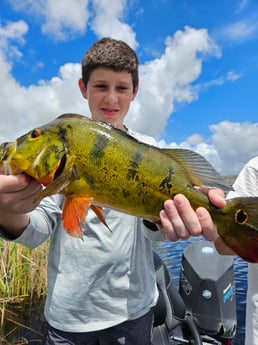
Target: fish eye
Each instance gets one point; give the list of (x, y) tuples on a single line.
[(35, 133)]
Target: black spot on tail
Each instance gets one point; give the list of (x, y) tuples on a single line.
[(241, 217)]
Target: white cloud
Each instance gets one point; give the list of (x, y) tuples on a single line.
[(243, 4), (22, 108), (239, 31), (61, 20), (229, 147), (108, 21), (9, 33), (236, 143), (230, 76), (65, 19), (167, 80), (28, 6), (26, 107)]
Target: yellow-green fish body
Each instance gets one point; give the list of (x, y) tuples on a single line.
[(94, 165)]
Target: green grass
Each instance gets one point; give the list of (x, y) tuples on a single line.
[(23, 273)]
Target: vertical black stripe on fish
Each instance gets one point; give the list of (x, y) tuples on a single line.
[(134, 166), (51, 152), (90, 180), (44, 165), (63, 133), (98, 149), (166, 183)]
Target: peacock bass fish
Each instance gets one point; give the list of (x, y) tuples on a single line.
[(94, 165)]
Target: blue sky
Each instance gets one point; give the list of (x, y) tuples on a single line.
[(198, 68)]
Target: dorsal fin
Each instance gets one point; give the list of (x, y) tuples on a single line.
[(197, 168)]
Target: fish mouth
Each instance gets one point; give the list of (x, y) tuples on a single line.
[(61, 167), (7, 150)]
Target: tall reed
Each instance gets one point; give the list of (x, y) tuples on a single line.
[(23, 272), (23, 278)]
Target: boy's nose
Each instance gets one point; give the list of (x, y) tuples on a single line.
[(111, 96)]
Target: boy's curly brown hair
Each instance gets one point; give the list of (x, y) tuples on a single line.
[(110, 53)]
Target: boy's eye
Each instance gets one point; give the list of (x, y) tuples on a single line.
[(122, 88), (101, 86)]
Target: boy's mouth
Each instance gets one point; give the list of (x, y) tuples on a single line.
[(110, 112)]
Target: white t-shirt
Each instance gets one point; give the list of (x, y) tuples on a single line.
[(246, 184)]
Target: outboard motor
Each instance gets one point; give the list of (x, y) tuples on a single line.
[(208, 289), (170, 316)]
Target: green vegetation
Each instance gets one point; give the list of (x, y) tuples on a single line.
[(23, 273), (23, 270)]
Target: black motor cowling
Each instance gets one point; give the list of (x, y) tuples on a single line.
[(208, 289)]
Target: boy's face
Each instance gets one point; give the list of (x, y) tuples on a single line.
[(109, 94)]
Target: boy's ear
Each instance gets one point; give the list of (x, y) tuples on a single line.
[(135, 91), (82, 88)]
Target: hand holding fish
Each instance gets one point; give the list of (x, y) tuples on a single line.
[(180, 221), (17, 198)]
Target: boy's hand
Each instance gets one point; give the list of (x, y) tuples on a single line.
[(17, 195), (180, 221)]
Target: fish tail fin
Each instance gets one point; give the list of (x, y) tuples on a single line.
[(74, 213), (239, 227), (198, 170)]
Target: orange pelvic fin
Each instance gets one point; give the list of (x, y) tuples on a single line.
[(100, 214), (74, 213)]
